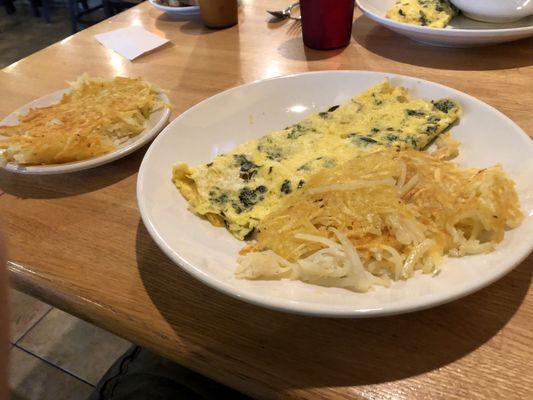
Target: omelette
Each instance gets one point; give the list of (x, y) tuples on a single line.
[(237, 189), (432, 13)]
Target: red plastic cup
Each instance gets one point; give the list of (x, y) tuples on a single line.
[(326, 24)]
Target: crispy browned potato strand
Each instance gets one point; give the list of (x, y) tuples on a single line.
[(92, 119)]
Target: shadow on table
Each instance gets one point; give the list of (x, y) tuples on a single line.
[(294, 49), (146, 57), (190, 76), (64, 185), (276, 23), (193, 26), (305, 352), (165, 16), (391, 45), (193, 23)]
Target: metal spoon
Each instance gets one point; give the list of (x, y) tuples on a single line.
[(283, 14)]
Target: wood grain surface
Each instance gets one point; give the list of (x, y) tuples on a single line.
[(77, 241)]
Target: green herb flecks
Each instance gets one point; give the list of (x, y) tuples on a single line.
[(329, 163), (304, 167), (273, 152), (250, 197), (218, 198), (286, 187), (297, 130), (444, 105), (361, 140), (247, 169), (377, 101), (423, 18), (416, 113)]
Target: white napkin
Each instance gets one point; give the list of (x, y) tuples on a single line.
[(130, 42)]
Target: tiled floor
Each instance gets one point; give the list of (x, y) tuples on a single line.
[(54, 356), (22, 34), (32, 378), (26, 313)]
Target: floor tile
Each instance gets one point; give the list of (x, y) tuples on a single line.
[(74, 345), (32, 379), (23, 34), (25, 311)]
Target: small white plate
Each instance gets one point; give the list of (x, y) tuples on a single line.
[(461, 32), (190, 10), (154, 125), (219, 123)]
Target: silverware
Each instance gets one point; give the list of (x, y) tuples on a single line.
[(284, 14)]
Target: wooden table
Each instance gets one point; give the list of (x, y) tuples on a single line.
[(77, 240)]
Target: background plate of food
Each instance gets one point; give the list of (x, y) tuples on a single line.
[(436, 22), (178, 7), (292, 194), (94, 122)]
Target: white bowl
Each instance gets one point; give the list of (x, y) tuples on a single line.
[(497, 11), (185, 11), (461, 32)]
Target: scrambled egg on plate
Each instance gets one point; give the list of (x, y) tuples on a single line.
[(432, 13), (239, 188)]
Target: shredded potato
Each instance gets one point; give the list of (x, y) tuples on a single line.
[(92, 119), (381, 217)]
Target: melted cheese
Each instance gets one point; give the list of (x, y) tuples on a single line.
[(239, 188), (432, 13)]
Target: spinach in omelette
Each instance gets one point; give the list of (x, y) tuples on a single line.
[(430, 13), (237, 189)]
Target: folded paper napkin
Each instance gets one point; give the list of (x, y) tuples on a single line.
[(130, 42)]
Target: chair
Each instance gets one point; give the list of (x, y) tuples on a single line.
[(110, 8), (35, 4), (8, 5), (77, 15)]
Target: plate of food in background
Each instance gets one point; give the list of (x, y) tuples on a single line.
[(178, 7), (341, 193), (92, 123), (441, 23)]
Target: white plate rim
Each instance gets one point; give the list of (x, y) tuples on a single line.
[(132, 145), (447, 32), (318, 310), (190, 10)]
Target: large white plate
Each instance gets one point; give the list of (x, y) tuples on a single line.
[(153, 126), (462, 31), (190, 10), (219, 123)]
